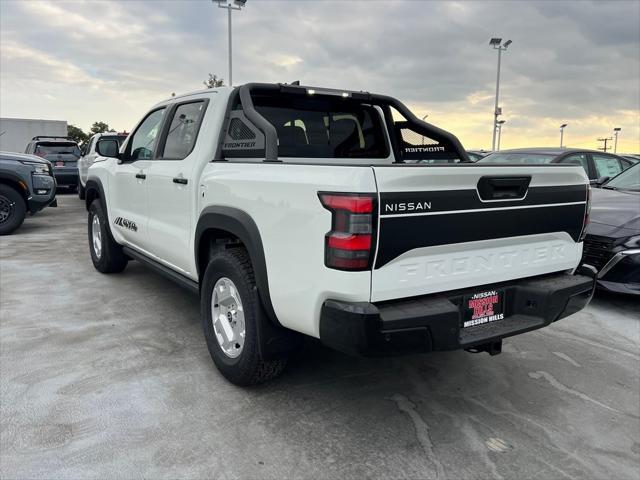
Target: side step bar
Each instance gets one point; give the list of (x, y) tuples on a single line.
[(162, 270)]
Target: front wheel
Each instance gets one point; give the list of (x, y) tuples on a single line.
[(81, 190), (231, 310), (107, 256), (12, 209)]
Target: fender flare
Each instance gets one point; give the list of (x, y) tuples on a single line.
[(240, 224), (94, 183)]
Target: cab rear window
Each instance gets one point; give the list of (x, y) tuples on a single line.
[(318, 128)]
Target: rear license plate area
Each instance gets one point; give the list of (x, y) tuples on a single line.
[(59, 164), (482, 308)]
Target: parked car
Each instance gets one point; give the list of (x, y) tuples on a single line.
[(612, 244), (89, 155), (296, 211), (63, 153), (599, 166), (26, 186), (475, 155)]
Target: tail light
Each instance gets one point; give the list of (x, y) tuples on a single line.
[(350, 243), (587, 213)]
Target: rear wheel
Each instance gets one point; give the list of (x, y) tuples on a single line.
[(231, 311), (107, 256), (12, 209)]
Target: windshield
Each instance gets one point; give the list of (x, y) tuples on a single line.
[(57, 149), (627, 180), (520, 157), (118, 138)]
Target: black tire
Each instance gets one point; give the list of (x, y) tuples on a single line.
[(248, 368), (13, 209), (82, 192), (111, 258)]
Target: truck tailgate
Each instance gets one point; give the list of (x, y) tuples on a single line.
[(446, 227)]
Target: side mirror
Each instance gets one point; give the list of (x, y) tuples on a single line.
[(107, 148), (602, 180)]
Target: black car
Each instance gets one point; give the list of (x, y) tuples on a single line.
[(26, 185), (475, 155), (63, 153), (612, 244), (599, 166)]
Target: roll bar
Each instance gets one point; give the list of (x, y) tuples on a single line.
[(383, 101)]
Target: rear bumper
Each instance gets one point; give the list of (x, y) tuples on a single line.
[(434, 322), (66, 176)]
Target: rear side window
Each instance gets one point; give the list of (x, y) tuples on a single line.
[(319, 128), (606, 166), (143, 142), (183, 130)]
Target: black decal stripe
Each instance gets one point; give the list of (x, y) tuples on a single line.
[(451, 200), (404, 233)]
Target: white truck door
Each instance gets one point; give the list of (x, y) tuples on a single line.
[(172, 188), (128, 194)]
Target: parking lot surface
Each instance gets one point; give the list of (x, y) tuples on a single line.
[(108, 376)]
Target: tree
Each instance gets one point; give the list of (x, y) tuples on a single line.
[(99, 127), (213, 81), (77, 134)]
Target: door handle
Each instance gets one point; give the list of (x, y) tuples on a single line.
[(180, 180), (141, 176)]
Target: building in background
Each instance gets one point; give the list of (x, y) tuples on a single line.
[(16, 133)]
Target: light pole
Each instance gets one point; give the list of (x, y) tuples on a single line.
[(497, 44), (562, 133), (615, 144), (500, 123), (230, 5)]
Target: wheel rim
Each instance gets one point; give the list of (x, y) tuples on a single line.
[(227, 317), (96, 236), (6, 208)]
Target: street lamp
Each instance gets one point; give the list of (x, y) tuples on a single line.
[(497, 44), (230, 5), (500, 123), (562, 133), (615, 145)]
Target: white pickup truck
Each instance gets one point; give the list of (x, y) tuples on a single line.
[(339, 215)]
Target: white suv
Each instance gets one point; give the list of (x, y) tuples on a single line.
[(89, 156)]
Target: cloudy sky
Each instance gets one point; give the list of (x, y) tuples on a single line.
[(574, 62)]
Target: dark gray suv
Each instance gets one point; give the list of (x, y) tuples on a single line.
[(63, 153), (26, 185)]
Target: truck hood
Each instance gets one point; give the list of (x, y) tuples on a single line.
[(23, 157), (614, 213)]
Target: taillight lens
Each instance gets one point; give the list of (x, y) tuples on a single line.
[(350, 243), (587, 213)]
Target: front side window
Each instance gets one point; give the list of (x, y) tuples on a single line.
[(183, 130), (606, 166), (315, 128), (143, 142)]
